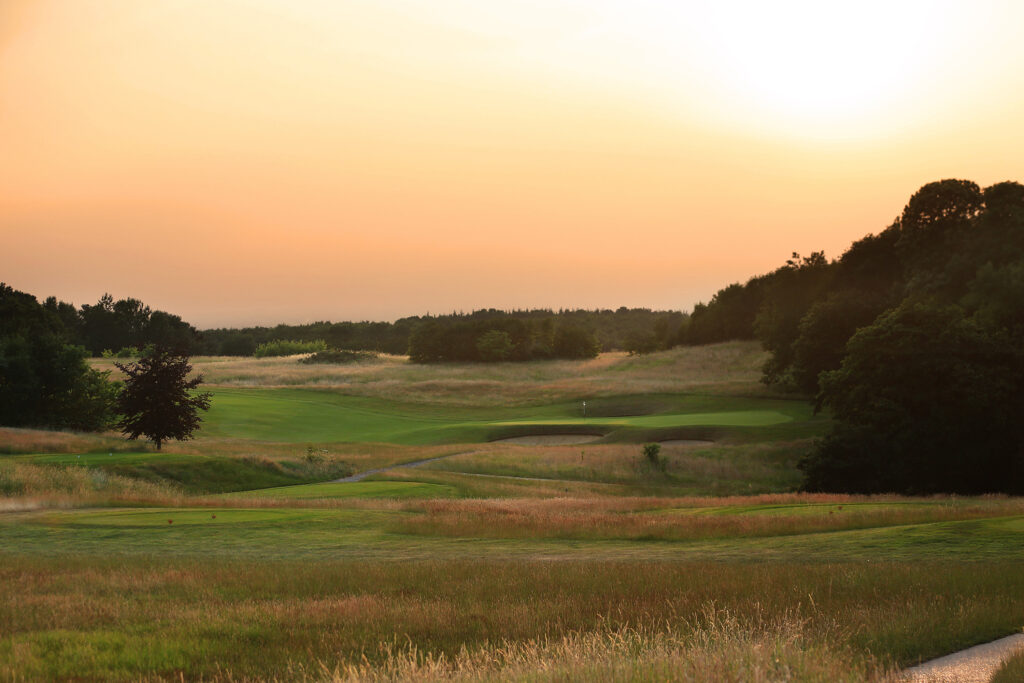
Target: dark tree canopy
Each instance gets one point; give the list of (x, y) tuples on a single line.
[(158, 399), (927, 401), (45, 380), (914, 339)]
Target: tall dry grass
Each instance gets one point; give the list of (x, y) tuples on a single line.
[(25, 487), (16, 440), (677, 519), (716, 468), (162, 618), (732, 367), (718, 648)]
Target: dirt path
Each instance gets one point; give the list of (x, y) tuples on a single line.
[(415, 463), (974, 665)]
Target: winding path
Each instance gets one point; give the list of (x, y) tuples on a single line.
[(359, 476), (974, 665)]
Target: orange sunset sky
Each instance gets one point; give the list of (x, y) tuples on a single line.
[(266, 161)]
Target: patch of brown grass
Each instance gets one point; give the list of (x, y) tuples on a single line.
[(15, 440), (682, 518), (25, 486)]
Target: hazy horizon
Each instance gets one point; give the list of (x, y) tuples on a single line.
[(243, 163)]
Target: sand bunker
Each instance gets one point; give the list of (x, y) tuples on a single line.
[(686, 442), (550, 439)]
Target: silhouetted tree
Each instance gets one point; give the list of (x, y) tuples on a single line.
[(157, 400)]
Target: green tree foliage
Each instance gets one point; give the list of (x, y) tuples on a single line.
[(289, 347), (563, 335), (44, 380), (790, 293), (494, 346), (532, 333), (822, 334), (928, 395), (129, 323), (158, 400), (729, 315), (912, 338), (927, 400), (572, 341)]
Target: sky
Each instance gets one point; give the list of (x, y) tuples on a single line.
[(263, 161)]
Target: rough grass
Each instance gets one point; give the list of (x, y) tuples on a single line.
[(553, 528), (25, 487), (649, 519), (192, 473), (728, 368), (712, 469), (718, 649), (1012, 670), (15, 440), (161, 618)]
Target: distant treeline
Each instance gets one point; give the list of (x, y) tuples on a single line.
[(107, 325), (914, 338), (530, 334)]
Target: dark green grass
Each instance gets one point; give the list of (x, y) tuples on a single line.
[(294, 415), (102, 619)]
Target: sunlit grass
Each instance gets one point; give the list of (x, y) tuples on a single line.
[(129, 618), (1011, 671)]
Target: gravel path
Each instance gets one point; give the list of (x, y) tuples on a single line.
[(974, 665)]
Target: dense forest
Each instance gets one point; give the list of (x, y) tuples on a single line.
[(913, 338)]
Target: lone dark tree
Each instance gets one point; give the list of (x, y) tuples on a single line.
[(158, 400)]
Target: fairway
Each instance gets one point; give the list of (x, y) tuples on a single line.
[(304, 415)]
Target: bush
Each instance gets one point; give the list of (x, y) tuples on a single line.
[(289, 347), (652, 452), (340, 357)]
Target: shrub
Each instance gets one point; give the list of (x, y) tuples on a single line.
[(652, 452), (289, 347), (340, 357)]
